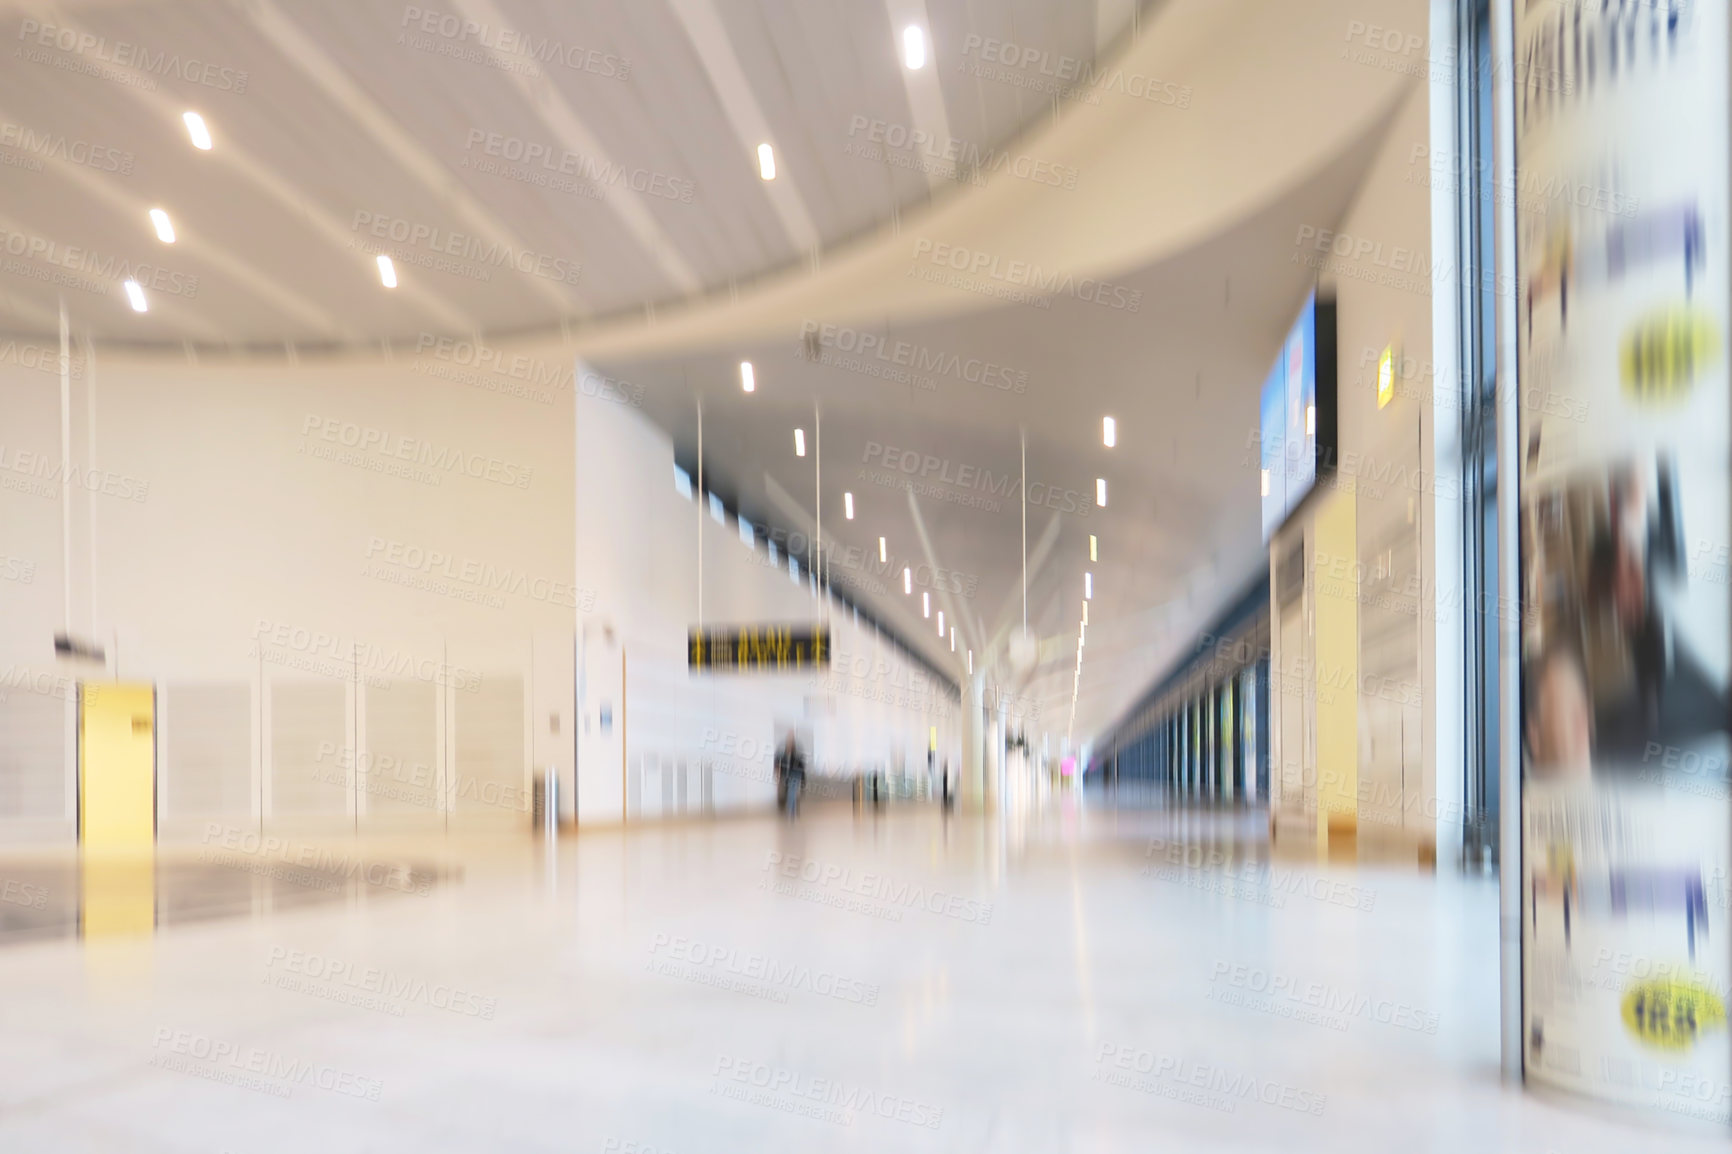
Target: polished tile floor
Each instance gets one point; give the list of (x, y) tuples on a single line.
[(1074, 980)]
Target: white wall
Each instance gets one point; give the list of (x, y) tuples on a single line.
[(638, 565), (278, 547), (1391, 267), (230, 549)]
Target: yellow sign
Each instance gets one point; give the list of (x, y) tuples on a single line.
[(1385, 376), (1665, 353), (1671, 1013), (773, 648)]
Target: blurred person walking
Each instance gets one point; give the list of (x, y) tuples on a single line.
[(790, 777)]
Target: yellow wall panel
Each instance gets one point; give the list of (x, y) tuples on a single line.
[(1336, 677), (117, 768)]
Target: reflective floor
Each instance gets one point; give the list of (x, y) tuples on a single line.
[(57, 899), (1076, 980)]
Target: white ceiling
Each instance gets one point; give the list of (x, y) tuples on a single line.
[(1194, 208), (349, 107), (1181, 534), (1198, 211)]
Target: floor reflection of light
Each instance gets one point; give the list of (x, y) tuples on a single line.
[(117, 896), (117, 918)]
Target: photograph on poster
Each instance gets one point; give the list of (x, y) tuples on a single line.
[(1611, 675)]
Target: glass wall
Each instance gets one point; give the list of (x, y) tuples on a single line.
[(1204, 738)]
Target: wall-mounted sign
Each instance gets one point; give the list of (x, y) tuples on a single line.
[(766, 648)]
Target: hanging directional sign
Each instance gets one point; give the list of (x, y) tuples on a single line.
[(762, 648)]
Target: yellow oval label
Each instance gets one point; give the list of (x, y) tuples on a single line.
[(1665, 353), (1671, 1013)]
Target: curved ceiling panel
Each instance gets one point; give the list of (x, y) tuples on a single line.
[(528, 165)]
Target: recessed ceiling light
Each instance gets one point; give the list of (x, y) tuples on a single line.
[(766, 162), (1088, 586), (941, 623), (1101, 492), (387, 271), (195, 128), (1094, 551), (135, 295), (848, 505), (925, 604), (799, 442), (907, 580), (748, 379), (914, 47), (164, 226), (1109, 432), (883, 552)]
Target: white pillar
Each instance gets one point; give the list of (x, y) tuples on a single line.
[(972, 786)]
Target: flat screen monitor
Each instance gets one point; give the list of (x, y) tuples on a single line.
[(1297, 414)]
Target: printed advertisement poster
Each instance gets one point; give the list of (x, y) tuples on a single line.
[(1620, 197)]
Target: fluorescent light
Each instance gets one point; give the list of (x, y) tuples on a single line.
[(135, 295), (941, 623), (883, 553), (799, 442), (195, 128), (1101, 492), (748, 380), (925, 603), (1265, 483), (907, 580), (1109, 432), (387, 272), (164, 226), (1310, 420), (848, 505), (766, 162), (971, 663), (1088, 586), (914, 47), (953, 639), (1094, 551)]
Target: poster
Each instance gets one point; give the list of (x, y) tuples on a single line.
[(1620, 197)]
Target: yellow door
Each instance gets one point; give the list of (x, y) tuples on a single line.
[(117, 768)]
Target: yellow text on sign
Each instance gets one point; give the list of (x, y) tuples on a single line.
[(1670, 1014), (1665, 353)]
